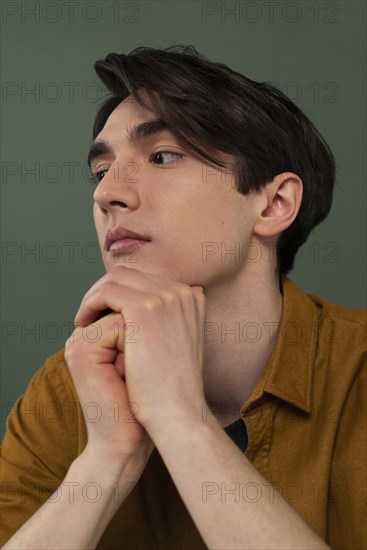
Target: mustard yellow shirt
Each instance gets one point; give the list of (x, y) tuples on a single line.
[(306, 422)]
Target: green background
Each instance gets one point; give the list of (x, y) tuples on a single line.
[(315, 51)]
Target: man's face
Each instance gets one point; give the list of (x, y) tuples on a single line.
[(191, 210)]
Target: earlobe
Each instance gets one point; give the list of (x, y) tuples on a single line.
[(282, 201)]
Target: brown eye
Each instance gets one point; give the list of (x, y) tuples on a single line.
[(158, 157), (100, 175), (96, 177)]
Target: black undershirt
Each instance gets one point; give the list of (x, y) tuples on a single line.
[(238, 433)]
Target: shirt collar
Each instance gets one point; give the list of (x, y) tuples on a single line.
[(289, 370)]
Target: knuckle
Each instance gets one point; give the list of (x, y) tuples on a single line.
[(186, 291), (151, 303), (169, 296)]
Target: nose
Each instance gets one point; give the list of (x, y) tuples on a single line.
[(118, 188)]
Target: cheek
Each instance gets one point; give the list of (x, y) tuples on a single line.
[(107, 262), (98, 222), (95, 213)]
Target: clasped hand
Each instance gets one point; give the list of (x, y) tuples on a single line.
[(153, 341)]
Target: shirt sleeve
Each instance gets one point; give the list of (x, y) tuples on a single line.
[(347, 503), (39, 444)]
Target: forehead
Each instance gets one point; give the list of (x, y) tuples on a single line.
[(126, 114), (130, 113)]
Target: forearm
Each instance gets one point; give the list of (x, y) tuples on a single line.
[(78, 512), (210, 473)]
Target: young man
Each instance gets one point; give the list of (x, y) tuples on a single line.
[(203, 399)]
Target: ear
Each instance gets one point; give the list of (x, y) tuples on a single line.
[(279, 205)]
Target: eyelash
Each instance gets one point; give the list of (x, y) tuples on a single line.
[(96, 177)]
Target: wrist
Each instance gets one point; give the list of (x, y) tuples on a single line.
[(112, 487), (185, 418), (107, 469), (92, 466)]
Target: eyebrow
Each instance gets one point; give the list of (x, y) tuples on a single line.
[(133, 135)]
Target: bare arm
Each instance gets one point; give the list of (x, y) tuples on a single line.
[(99, 480), (78, 512), (210, 477)]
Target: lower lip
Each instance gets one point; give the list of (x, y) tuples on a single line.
[(125, 245)]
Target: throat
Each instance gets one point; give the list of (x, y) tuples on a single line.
[(228, 388)]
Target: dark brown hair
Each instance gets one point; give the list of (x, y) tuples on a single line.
[(210, 107)]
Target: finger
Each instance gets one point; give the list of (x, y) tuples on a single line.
[(129, 276), (113, 296), (108, 332), (136, 279), (198, 288), (95, 302)]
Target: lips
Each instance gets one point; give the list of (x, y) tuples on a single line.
[(120, 233)]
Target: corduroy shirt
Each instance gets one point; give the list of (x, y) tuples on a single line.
[(306, 422)]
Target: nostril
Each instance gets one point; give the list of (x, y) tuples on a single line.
[(103, 210), (118, 203)]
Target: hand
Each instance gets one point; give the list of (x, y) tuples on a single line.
[(163, 359), (94, 356)]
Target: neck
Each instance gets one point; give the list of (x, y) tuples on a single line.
[(240, 332)]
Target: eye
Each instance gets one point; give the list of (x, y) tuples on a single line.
[(159, 155), (97, 176)]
